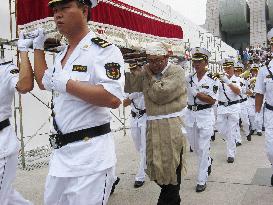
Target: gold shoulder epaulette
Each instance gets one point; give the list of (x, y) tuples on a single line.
[(100, 42), (212, 76)]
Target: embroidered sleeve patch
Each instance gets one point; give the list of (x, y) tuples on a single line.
[(113, 71), (215, 89), (79, 68), (100, 42), (14, 71)]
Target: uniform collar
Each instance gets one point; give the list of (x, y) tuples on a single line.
[(84, 44)]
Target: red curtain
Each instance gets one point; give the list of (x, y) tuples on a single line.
[(31, 10)]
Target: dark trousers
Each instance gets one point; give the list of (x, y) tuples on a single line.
[(169, 194)]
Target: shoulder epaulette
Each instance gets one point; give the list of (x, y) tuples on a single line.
[(100, 42), (213, 77)]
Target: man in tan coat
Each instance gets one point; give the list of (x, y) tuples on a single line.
[(164, 89)]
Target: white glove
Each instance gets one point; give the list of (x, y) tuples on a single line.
[(257, 118), (194, 90), (225, 79), (23, 43), (39, 40), (60, 80)]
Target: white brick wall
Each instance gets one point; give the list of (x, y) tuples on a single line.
[(257, 23)]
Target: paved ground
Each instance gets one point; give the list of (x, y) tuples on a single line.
[(243, 183)]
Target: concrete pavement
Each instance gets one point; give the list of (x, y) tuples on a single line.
[(246, 181)]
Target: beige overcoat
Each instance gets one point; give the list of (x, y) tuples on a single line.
[(164, 141)]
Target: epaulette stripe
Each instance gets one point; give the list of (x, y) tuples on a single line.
[(100, 42), (5, 63)]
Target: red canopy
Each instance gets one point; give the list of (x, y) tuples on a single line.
[(117, 14)]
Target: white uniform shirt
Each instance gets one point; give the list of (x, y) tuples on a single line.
[(264, 84), (8, 80), (89, 63), (138, 99), (204, 118), (244, 87), (235, 108)]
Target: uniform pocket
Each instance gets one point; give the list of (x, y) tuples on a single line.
[(78, 76)]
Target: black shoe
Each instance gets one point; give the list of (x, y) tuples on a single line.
[(138, 184), (213, 137), (230, 159), (248, 137), (238, 144), (191, 150), (259, 133), (114, 185), (272, 180), (200, 188), (209, 167)]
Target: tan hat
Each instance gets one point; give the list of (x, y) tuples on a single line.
[(158, 49)]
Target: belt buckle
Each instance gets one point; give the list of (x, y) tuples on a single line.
[(225, 104), (54, 141), (194, 108)]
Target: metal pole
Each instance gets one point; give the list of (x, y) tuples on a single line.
[(20, 97), (124, 120)]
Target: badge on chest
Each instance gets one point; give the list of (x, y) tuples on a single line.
[(79, 68)]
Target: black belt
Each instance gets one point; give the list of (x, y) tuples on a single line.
[(58, 140), (269, 107), (252, 96), (140, 113), (199, 107), (229, 103), (4, 124), (243, 100)]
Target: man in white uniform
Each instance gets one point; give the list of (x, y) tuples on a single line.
[(263, 89), (199, 117), (255, 126), (87, 79), (12, 79), (229, 107), (138, 132), (238, 68)]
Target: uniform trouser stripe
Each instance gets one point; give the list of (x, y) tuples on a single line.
[(3, 174), (104, 190)]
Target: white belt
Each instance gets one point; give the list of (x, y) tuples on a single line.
[(159, 117)]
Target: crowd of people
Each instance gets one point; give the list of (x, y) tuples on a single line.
[(88, 79)]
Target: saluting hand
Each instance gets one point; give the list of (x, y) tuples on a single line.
[(39, 40), (23, 43)]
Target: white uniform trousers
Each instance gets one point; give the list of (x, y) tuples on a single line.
[(227, 125), (268, 114), (245, 119), (257, 127), (139, 138), (8, 196), (85, 190), (199, 139), (238, 137)]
